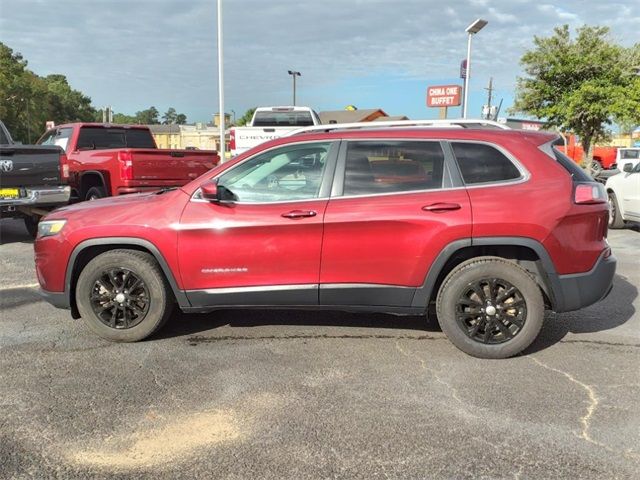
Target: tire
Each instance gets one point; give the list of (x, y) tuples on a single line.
[(31, 223), (595, 168), (94, 193), (97, 288), (615, 218), (456, 308)]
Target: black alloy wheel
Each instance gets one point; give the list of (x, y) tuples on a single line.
[(491, 311), (120, 299)]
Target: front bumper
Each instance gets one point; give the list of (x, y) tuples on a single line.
[(580, 290), (57, 299), (41, 196)]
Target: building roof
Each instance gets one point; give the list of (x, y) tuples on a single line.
[(391, 118), (164, 128), (350, 116)]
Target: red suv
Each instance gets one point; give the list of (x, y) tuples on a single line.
[(491, 227)]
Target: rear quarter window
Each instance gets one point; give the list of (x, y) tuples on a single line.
[(481, 163)]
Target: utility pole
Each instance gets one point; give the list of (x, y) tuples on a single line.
[(489, 90), (221, 85), (294, 74)]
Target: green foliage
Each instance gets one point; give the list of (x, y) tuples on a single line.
[(27, 100), (581, 85), (246, 118), (173, 117), (150, 116)]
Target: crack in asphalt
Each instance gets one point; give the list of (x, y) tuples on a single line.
[(438, 378), (591, 408), (603, 343)]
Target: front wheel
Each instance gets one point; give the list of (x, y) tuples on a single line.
[(490, 307), (122, 295)]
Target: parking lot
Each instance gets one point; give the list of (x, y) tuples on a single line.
[(288, 394)]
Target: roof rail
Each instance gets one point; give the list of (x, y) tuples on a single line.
[(455, 123)]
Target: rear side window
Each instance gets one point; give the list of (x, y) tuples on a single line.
[(98, 138), (392, 166), (480, 163)]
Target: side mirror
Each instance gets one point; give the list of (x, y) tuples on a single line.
[(210, 191), (628, 167)]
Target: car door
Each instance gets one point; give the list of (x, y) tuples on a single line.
[(262, 246), (395, 205), (630, 187)]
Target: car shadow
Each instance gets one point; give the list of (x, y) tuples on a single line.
[(190, 325), (12, 230), (612, 312)]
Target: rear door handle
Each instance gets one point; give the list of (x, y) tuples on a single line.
[(441, 207), (299, 214)]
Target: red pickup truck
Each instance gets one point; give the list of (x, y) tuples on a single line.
[(109, 160), (603, 157)]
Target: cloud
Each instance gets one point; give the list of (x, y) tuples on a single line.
[(163, 52)]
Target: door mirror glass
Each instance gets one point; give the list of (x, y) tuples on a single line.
[(628, 167)]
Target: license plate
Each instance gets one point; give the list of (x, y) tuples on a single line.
[(9, 193)]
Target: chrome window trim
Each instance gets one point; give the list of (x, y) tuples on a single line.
[(524, 173), (333, 142)]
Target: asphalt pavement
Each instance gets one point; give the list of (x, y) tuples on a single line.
[(288, 394)]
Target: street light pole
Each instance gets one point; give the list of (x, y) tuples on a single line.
[(472, 29), (221, 85), (294, 74)]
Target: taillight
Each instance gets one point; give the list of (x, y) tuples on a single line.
[(590, 193), (64, 167), (126, 165), (232, 139)]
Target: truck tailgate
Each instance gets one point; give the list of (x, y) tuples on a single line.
[(181, 165), (25, 165)]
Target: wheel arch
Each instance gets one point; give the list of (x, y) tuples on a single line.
[(84, 252), (528, 253), (92, 178)]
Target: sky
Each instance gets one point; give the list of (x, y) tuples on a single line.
[(132, 54)]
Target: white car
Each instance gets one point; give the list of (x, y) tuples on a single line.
[(624, 194)]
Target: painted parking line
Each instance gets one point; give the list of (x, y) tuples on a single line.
[(19, 287)]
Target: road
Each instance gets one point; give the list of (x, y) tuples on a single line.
[(285, 394)]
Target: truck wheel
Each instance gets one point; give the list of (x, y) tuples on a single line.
[(123, 296), (32, 226), (95, 193), (615, 218), (490, 307)]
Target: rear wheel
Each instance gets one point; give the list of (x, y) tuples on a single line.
[(595, 167), (122, 295), (615, 218), (490, 307), (94, 193)]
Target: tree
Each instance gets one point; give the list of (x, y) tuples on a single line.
[(246, 118), (170, 116), (181, 119), (580, 85), (148, 116)]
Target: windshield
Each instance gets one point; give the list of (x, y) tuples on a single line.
[(282, 119), (3, 137)]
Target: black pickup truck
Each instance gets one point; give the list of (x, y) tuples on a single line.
[(32, 180)]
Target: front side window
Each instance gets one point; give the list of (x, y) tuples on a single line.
[(481, 163), (288, 173), (59, 137), (374, 167)]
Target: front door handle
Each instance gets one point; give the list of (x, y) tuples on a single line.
[(299, 214), (441, 207)]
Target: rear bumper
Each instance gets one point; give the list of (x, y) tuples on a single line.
[(580, 290), (57, 299), (41, 196)]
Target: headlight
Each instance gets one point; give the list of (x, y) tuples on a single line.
[(50, 227)]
